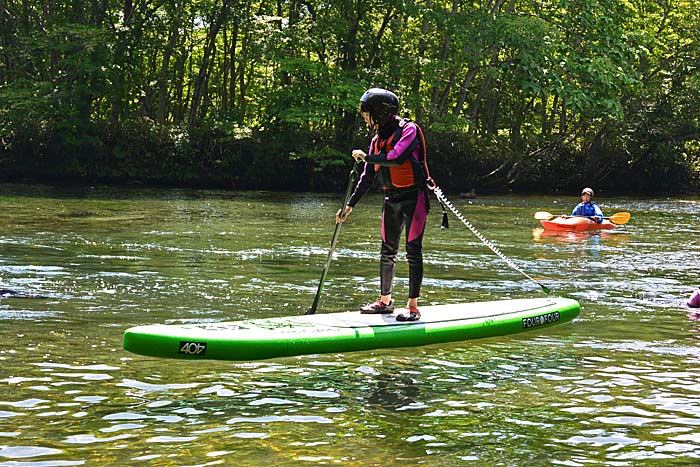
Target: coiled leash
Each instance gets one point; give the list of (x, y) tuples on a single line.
[(445, 202)]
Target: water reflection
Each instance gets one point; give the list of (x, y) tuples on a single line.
[(611, 238), (694, 318)]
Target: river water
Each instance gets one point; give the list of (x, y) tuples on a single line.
[(620, 386)]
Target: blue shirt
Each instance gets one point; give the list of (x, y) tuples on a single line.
[(588, 210)]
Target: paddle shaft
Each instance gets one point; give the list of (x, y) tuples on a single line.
[(351, 182)]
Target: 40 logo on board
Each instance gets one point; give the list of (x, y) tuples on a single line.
[(192, 348)]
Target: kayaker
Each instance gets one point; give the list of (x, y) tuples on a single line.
[(396, 156), (587, 208)]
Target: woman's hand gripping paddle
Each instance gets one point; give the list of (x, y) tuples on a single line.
[(620, 218), (351, 181)]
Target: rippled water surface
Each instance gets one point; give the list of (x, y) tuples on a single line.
[(620, 386)]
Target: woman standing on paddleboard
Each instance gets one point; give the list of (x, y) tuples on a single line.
[(397, 159)]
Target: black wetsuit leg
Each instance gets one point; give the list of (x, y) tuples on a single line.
[(409, 209)]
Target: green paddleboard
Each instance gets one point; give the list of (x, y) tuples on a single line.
[(257, 339)]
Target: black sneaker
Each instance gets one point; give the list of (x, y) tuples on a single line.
[(412, 315), (377, 308)]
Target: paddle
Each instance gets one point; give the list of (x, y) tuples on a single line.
[(619, 218), (351, 182)]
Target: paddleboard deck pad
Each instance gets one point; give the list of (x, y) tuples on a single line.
[(257, 339)]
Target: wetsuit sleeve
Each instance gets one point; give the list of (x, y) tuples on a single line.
[(403, 148), (363, 184)]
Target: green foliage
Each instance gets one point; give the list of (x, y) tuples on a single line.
[(513, 95)]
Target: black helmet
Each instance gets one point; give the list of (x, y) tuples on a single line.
[(379, 103)]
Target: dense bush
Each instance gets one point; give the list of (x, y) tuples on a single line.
[(230, 157), (525, 96)]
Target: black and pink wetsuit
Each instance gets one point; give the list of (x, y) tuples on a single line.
[(407, 206)]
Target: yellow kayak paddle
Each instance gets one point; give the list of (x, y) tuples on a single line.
[(620, 218)]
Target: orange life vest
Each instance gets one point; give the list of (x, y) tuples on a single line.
[(407, 174)]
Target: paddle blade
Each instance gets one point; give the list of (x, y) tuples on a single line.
[(620, 218), (543, 216)]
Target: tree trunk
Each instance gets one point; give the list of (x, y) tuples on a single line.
[(562, 118), (372, 56), (99, 11), (463, 89), (422, 46), (184, 68), (232, 60), (242, 85), (202, 77), (173, 39), (128, 10), (444, 51), (474, 109), (345, 123), (552, 115), (286, 79)]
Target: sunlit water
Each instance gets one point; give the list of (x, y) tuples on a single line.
[(619, 386)]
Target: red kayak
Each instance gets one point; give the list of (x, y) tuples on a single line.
[(575, 224)]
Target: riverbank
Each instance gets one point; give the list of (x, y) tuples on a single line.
[(282, 160), (295, 177)]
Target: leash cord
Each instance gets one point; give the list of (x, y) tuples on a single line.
[(441, 197)]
